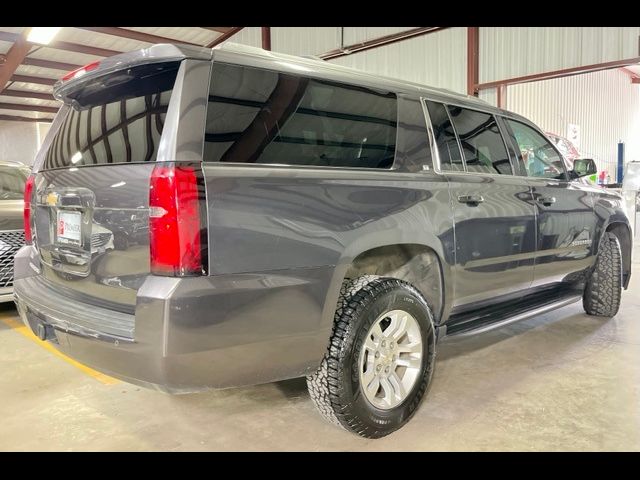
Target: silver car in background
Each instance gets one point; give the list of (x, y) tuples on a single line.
[(12, 180)]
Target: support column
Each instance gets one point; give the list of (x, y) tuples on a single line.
[(502, 96), (266, 38), (473, 57)]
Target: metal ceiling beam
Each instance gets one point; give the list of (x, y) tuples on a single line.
[(561, 73), (86, 49), (135, 35), (37, 62), (27, 94), (218, 29), (13, 59), (28, 108), (225, 36), (15, 118), (32, 79), (379, 42)]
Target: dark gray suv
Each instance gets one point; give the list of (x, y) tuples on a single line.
[(212, 218)]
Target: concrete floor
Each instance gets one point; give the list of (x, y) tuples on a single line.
[(561, 381)]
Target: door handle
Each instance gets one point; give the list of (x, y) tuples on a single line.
[(547, 201), (471, 200)]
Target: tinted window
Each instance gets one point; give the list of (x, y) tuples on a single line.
[(445, 138), (117, 118), (261, 116), (413, 150), (482, 144), (538, 155), (12, 180)]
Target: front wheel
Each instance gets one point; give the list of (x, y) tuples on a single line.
[(604, 287), (380, 357)]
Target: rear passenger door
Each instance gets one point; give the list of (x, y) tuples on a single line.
[(566, 220), (493, 209)]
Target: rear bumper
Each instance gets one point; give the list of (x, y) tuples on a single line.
[(189, 334)]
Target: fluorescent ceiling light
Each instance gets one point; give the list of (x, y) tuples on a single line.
[(42, 35)]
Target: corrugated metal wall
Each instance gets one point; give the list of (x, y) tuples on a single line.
[(292, 40), (18, 141), (438, 59), (251, 36), (304, 40), (507, 52), (490, 95), (312, 40), (605, 104)]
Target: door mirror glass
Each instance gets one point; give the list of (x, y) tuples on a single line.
[(584, 166)]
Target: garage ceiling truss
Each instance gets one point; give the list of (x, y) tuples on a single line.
[(29, 94)]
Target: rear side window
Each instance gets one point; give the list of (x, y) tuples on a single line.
[(481, 141), (445, 137), (116, 118), (12, 180), (267, 117)]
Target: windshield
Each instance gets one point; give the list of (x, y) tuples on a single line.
[(12, 180)]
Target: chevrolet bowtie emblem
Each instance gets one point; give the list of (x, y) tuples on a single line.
[(52, 199)]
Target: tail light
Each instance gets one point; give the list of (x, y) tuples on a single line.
[(178, 235), (78, 72), (28, 193)]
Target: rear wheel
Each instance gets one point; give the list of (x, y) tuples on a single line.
[(604, 287), (380, 357)]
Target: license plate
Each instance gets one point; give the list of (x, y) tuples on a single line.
[(68, 228)]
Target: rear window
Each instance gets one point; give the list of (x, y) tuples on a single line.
[(268, 117), (12, 180), (116, 118)]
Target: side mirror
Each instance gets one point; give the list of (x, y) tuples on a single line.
[(584, 166)]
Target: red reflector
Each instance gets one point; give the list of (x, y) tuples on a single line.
[(28, 192), (81, 71), (174, 221)]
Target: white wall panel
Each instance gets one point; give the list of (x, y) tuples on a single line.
[(605, 104), (251, 36), (304, 40), (311, 40), (42, 129), (437, 59), (507, 52), (490, 96), (18, 141)]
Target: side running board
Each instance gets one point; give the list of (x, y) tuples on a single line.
[(481, 323)]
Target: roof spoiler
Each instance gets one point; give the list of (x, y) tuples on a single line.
[(154, 54)]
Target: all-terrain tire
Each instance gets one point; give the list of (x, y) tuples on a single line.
[(604, 287), (335, 386)]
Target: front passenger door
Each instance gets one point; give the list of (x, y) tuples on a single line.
[(565, 217)]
